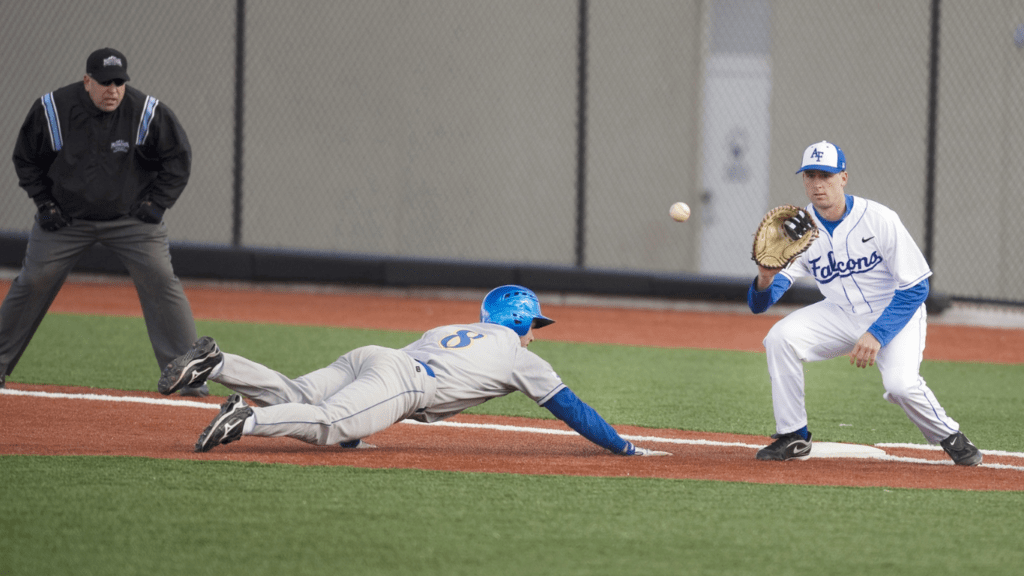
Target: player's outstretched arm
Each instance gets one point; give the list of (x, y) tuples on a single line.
[(568, 408)]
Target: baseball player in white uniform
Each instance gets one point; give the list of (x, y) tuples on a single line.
[(875, 281), (449, 369)]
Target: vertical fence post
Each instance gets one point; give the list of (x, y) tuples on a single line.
[(236, 201), (933, 120), (581, 136)]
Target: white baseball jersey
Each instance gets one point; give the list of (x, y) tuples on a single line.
[(476, 362), (858, 268), (864, 261)]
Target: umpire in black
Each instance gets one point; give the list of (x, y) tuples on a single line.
[(102, 161)]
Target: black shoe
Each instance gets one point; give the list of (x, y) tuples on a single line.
[(961, 450), (790, 446), (227, 426), (3, 380), (192, 368)]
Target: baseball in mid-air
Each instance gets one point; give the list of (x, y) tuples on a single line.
[(679, 212)]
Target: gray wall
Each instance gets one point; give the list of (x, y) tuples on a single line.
[(643, 134), (440, 129), (446, 129), (979, 166)]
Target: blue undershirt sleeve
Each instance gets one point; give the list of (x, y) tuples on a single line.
[(568, 408), (759, 301), (899, 311)]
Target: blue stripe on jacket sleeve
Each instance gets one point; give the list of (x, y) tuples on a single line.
[(53, 122), (148, 110)]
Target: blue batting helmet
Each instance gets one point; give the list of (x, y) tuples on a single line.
[(514, 307)]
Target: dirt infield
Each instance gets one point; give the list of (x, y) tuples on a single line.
[(34, 425)]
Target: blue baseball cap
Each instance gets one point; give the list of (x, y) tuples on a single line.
[(824, 156)]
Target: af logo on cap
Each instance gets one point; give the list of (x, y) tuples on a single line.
[(824, 156)]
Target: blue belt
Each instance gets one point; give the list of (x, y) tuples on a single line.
[(429, 371)]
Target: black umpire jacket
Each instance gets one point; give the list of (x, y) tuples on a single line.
[(96, 165)]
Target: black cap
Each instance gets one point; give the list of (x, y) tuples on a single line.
[(107, 64)]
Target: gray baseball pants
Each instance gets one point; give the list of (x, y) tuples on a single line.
[(142, 248), (359, 394)]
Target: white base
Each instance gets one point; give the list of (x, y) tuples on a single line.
[(839, 450)]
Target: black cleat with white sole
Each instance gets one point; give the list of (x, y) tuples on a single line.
[(191, 368), (227, 426), (790, 446), (961, 450)]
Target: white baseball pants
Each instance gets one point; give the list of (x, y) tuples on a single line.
[(823, 331)]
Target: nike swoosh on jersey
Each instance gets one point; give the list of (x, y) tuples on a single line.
[(866, 239)]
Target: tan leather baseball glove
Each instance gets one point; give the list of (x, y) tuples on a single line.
[(784, 233)]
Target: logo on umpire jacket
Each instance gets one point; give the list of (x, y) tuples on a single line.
[(119, 146)]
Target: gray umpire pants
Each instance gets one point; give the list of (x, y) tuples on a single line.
[(144, 251)]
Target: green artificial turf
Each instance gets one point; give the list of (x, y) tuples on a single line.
[(113, 516)]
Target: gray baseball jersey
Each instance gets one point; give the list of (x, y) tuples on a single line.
[(476, 362), (446, 371)]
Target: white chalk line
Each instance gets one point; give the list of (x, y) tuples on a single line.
[(526, 429), (109, 398)]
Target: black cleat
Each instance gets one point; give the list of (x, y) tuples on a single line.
[(191, 369), (961, 450), (227, 426), (790, 446)]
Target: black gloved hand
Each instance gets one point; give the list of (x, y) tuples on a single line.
[(148, 211), (51, 218), (797, 226)]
